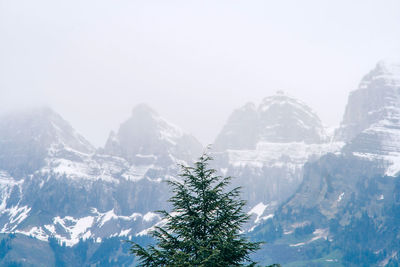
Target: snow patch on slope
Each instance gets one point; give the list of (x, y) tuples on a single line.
[(258, 210), (70, 230), (279, 154), (73, 228), (318, 234)]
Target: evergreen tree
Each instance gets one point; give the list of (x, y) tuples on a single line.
[(203, 228)]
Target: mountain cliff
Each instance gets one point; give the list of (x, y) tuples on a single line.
[(240, 131), (284, 119), (375, 100), (266, 147), (371, 123), (278, 119)]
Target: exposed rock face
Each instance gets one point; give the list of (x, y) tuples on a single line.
[(284, 119), (146, 137), (344, 202), (278, 119), (329, 184), (241, 130), (377, 99)]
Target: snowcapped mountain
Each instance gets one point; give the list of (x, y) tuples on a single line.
[(371, 123), (347, 207), (54, 184), (266, 147), (74, 192)]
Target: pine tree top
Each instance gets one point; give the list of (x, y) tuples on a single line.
[(203, 227)]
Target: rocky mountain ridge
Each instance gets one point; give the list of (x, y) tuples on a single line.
[(64, 188)]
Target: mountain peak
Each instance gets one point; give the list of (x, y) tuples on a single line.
[(278, 119), (280, 92), (27, 137), (385, 73), (371, 123), (143, 109), (381, 84), (281, 98), (240, 131), (145, 133), (285, 119), (389, 66)]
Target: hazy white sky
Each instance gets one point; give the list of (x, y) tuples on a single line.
[(193, 61)]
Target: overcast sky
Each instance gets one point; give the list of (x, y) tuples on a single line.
[(192, 61)]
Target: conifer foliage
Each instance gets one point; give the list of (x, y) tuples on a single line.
[(203, 228)]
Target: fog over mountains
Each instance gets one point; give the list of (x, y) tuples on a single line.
[(308, 189)]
